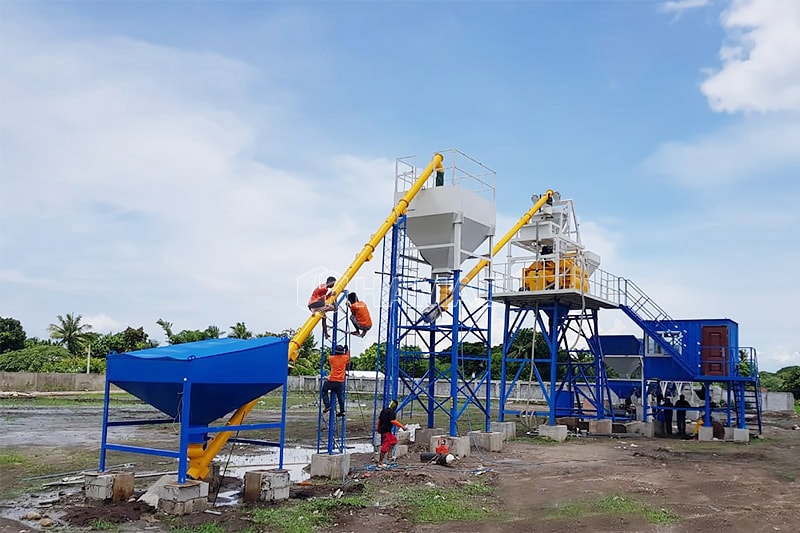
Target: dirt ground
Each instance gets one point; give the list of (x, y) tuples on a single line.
[(711, 486)]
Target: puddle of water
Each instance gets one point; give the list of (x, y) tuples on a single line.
[(294, 460)]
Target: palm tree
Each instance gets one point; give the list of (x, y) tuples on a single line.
[(239, 331), (69, 332)]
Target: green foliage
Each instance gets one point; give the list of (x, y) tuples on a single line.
[(770, 381), (208, 527), (211, 332), (125, 341), (306, 516), (38, 358), (615, 506), (99, 524), (790, 376), (437, 505), (12, 336), (69, 332), (240, 331), (13, 459), (367, 359)]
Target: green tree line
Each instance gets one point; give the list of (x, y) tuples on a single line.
[(71, 340)]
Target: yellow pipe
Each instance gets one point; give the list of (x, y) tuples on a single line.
[(198, 466), (366, 254), (524, 219)]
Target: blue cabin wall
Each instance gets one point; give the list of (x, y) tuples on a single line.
[(664, 367)]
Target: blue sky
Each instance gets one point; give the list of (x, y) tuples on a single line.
[(196, 161)]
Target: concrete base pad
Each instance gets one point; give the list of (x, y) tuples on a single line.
[(705, 433), (335, 466), (181, 499), (266, 485), (508, 429), (423, 435), (459, 446), (645, 429), (108, 486), (741, 435), (600, 427), (557, 433), (492, 440)]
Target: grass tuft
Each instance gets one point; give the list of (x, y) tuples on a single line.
[(99, 524), (614, 505), (306, 516), (436, 505)]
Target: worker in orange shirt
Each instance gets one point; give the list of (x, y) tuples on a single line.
[(359, 315), (318, 302), (335, 382)]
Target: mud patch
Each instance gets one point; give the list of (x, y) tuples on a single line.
[(116, 513)]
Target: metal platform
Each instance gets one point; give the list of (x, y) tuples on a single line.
[(571, 297)]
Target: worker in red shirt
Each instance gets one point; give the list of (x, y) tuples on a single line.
[(335, 382), (359, 315), (318, 302)]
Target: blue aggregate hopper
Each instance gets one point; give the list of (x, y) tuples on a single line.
[(224, 374)]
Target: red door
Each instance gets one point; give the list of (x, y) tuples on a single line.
[(714, 351)]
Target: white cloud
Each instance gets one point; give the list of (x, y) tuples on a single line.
[(761, 59), (102, 323), (679, 6), (130, 192), (750, 150)]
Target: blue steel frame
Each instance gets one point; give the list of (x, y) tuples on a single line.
[(187, 432), (457, 325), (582, 380)]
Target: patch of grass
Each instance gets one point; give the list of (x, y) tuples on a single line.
[(99, 524), (13, 459), (208, 527), (437, 505), (306, 516), (614, 505), (797, 406), (78, 399)]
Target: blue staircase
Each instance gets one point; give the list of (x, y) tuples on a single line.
[(656, 323)]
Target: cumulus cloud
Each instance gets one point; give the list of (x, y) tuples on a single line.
[(131, 191), (679, 6), (760, 69), (751, 150)]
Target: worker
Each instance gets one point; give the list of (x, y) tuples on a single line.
[(667, 408), (386, 419), (680, 416), (318, 302), (359, 315), (335, 382)]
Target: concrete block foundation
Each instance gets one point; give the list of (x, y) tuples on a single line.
[(186, 498), (492, 440), (705, 434), (266, 485), (508, 429), (600, 427), (335, 466), (458, 446), (108, 486), (423, 435), (557, 433), (741, 435), (645, 429)]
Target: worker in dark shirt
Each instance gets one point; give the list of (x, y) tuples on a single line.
[(386, 420), (680, 416)]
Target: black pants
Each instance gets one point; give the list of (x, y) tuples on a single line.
[(337, 387), (682, 423), (668, 422)]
